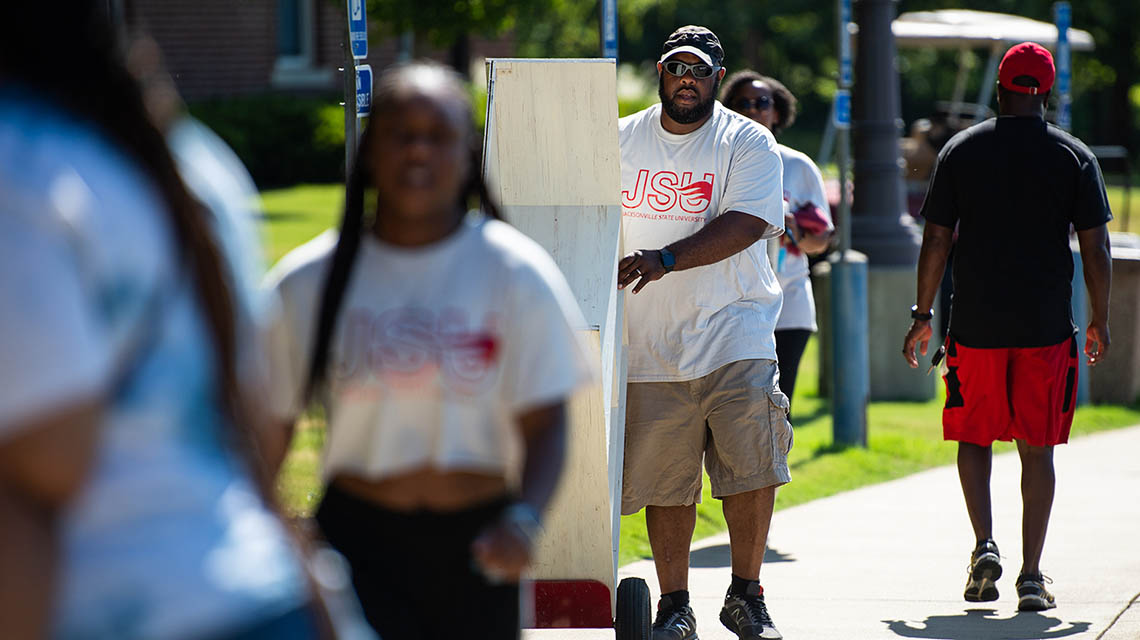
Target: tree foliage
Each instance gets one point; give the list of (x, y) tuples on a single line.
[(793, 40), (1102, 79), (444, 22)]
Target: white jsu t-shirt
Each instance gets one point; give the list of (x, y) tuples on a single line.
[(436, 349), (692, 322), (803, 184)]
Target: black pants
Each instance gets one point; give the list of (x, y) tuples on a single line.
[(414, 573), (790, 344)]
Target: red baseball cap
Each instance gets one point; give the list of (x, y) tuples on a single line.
[(1027, 59)]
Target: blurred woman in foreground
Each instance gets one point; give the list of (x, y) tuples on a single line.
[(133, 495), (443, 350)]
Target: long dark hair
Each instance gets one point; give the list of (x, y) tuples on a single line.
[(99, 90), (352, 225)]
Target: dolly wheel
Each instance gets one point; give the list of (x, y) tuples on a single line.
[(633, 612)]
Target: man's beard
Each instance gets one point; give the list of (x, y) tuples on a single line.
[(682, 115)]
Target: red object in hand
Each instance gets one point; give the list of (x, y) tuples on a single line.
[(811, 219)]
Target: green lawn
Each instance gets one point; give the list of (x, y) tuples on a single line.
[(293, 216), (1130, 223), (297, 214), (902, 437)]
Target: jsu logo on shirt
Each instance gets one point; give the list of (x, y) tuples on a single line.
[(664, 191), (409, 347)]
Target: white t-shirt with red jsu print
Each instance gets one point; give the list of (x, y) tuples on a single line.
[(435, 352), (690, 323)]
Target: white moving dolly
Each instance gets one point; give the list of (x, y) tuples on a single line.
[(551, 160)]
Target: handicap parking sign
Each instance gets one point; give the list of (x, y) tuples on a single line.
[(363, 90), (357, 29)]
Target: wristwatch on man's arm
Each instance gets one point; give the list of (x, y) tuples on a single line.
[(668, 260), (924, 316)]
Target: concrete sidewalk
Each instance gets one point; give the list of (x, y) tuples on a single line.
[(889, 561)]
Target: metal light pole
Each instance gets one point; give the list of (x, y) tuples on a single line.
[(880, 226)]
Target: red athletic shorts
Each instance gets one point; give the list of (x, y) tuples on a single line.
[(1010, 393)]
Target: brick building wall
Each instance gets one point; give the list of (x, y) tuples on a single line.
[(211, 47), (219, 48)]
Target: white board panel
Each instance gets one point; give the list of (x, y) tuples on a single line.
[(559, 138), (552, 163), (576, 543), (571, 234), (551, 160)]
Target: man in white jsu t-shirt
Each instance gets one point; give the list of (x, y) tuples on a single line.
[(701, 194)]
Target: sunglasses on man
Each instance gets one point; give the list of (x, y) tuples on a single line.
[(700, 70), (744, 104)]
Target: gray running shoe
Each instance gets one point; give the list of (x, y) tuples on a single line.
[(747, 616), (985, 569), (1032, 594), (673, 623)]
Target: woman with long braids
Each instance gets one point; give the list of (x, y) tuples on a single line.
[(809, 227), (134, 499), (442, 347)]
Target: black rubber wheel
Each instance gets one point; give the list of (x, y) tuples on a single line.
[(632, 621)]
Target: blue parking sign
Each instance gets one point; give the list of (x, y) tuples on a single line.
[(363, 90), (357, 29), (843, 109)]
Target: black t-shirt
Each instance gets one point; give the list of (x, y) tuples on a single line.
[(1013, 185)]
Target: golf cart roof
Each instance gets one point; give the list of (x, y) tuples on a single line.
[(962, 28)]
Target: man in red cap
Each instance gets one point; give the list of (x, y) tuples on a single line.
[(1014, 186)]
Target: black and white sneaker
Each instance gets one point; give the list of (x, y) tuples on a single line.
[(1032, 594), (985, 569), (747, 615), (673, 623)]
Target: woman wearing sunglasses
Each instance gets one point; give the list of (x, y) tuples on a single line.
[(809, 227)]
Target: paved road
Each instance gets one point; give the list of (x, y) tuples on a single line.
[(889, 561)]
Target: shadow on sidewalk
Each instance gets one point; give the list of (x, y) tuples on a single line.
[(982, 624), (718, 556)]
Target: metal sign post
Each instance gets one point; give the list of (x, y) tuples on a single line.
[(845, 26), (355, 48), (842, 123), (1063, 16), (842, 114), (609, 29), (849, 319)]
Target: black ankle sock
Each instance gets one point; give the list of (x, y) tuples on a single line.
[(677, 599), (739, 586)]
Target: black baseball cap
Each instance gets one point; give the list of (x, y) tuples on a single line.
[(698, 41)]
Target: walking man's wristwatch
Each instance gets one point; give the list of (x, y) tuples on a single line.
[(668, 260), (919, 315)]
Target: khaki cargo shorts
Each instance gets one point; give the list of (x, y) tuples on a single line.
[(736, 418)]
